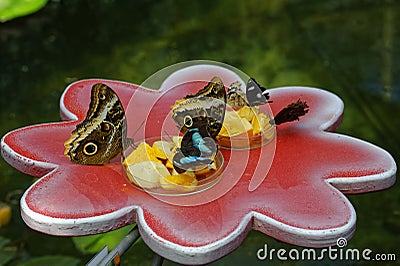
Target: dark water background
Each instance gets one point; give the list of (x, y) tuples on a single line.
[(349, 47)]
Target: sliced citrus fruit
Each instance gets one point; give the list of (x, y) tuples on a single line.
[(234, 125), (248, 112), (143, 152), (181, 181), (162, 149), (177, 141), (258, 123), (147, 174)]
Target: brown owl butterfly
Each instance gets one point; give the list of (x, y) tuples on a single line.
[(209, 104), (99, 137)]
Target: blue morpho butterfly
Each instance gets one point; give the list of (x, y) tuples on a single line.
[(197, 150), (199, 117)]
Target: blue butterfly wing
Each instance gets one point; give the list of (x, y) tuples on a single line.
[(200, 144), (196, 152)]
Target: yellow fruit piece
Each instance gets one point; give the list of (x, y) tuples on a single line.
[(247, 127), (229, 121), (223, 131), (170, 158), (247, 112), (237, 131), (177, 141), (178, 181), (235, 125), (147, 174), (258, 123), (5, 214), (142, 153), (206, 170), (188, 172), (163, 149), (169, 164)]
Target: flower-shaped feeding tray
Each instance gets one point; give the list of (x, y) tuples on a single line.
[(299, 200)]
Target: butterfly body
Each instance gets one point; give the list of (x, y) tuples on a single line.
[(99, 137)]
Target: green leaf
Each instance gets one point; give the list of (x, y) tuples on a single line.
[(10, 9), (6, 253), (92, 244), (6, 256), (4, 241), (51, 260)]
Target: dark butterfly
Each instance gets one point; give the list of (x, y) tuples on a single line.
[(199, 117), (197, 151), (255, 94), (291, 112), (258, 95), (99, 137)]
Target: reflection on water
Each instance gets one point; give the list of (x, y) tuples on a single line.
[(348, 47)]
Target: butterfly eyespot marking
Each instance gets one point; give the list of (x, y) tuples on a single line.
[(188, 121), (105, 127), (99, 138), (90, 148)]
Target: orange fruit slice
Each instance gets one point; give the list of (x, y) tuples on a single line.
[(248, 112), (235, 125), (162, 149), (142, 153), (147, 174), (181, 181)]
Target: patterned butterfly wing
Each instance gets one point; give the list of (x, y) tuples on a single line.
[(209, 104), (236, 98), (99, 137), (197, 151), (255, 94), (193, 110), (215, 88)]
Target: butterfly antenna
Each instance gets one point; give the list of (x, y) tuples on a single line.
[(265, 93), (169, 136), (130, 141), (137, 130)]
